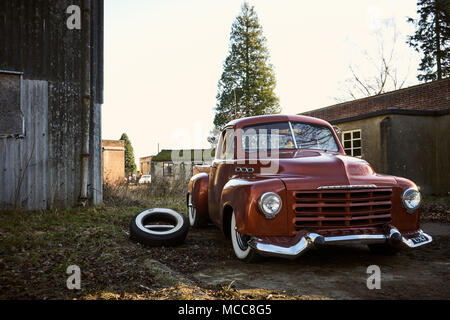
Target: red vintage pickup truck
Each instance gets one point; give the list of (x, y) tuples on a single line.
[(281, 184)]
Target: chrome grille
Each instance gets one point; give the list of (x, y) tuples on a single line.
[(342, 208)]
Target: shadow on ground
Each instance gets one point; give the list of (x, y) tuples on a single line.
[(338, 272)]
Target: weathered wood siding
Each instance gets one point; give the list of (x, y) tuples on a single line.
[(42, 169)]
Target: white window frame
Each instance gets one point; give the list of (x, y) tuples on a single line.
[(352, 148)]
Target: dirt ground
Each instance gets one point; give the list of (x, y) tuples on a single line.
[(36, 249), (336, 272)]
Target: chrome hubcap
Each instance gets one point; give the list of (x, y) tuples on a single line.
[(241, 240)]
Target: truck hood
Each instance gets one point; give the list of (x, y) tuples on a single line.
[(312, 169)]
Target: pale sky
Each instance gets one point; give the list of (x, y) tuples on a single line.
[(163, 60)]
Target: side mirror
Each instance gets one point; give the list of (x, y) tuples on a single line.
[(337, 130)]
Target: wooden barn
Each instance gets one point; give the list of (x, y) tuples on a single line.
[(51, 93)]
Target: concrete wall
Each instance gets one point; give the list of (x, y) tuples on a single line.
[(113, 163), (442, 127), (370, 140), (418, 149), (181, 171)]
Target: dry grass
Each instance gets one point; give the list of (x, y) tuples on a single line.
[(145, 195), (37, 247), (436, 209)]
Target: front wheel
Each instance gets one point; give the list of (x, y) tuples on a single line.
[(240, 244)]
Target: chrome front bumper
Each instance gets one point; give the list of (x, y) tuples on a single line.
[(311, 240)]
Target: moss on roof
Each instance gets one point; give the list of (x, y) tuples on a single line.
[(195, 154)]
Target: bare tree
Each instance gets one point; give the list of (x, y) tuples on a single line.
[(380, 71), (213, 137)]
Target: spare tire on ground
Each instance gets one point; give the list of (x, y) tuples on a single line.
[(159, 227)]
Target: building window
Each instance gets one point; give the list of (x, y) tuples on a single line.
[(168, 169), (11, 117), (352, 142)]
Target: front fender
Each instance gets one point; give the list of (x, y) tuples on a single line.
[(242, 195), (401, 219)]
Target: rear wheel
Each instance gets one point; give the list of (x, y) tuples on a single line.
[(240, 244), (195, 220)]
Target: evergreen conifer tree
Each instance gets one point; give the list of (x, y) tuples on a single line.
[(130, 165), (246, 87), (432, 39)]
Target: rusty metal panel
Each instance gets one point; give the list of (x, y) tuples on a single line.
[(24, 161), (36, 41), (96, 181), (11, 119), (44, 166)]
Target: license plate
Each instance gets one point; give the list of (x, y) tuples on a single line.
[(419, 239)]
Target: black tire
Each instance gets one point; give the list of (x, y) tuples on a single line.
[(159, 227), (383, 249), (195, 220), (240, 247)]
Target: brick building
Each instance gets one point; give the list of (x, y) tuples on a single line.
[(145, 165), (404, 132), (113, 161)]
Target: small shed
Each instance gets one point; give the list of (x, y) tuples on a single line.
[(404, 133), (179, 164)]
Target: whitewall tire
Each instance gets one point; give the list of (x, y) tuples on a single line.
[(192, 212), (195, 220), (240, 246), (159, 227)]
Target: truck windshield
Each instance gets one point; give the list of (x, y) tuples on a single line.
[(310, 136), (281, 135)]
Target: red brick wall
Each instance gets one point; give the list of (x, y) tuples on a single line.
[(431, 96), (145, 165), (113, 161)]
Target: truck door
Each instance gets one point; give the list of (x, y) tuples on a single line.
[(221, 171)]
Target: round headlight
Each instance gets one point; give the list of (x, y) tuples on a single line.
[(270, 204), (411, 200)]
